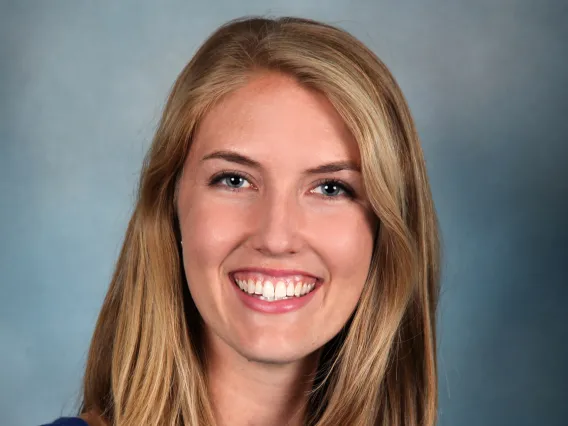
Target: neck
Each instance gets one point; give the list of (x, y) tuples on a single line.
[(255, 393)]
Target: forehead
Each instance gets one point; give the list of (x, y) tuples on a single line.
[(273, 118)]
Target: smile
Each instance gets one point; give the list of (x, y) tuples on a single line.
[(274, 288)]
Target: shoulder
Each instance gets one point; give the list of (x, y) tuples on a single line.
[(68, 421), (90, 418)]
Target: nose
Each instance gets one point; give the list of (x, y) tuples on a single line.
[(278, 225)]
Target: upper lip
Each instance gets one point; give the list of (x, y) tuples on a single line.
[(276, 272)]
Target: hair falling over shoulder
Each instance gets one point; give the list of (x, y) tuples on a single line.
[(145, 365)]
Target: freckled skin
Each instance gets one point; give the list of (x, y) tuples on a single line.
[(279, 218)]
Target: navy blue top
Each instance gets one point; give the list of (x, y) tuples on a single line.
[(68, 421)]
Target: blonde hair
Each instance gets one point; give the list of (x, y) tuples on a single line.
[(145, 365)]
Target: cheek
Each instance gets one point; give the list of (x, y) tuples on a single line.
[(209, 233), (345, 241)]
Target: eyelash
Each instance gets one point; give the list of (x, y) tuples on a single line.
[(348, 191)]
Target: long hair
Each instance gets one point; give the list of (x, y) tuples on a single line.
[(145, 365)]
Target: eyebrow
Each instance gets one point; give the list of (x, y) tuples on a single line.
[(246, 161), (233, 157)]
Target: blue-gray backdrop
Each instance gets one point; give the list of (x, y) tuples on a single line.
[(82, 85)]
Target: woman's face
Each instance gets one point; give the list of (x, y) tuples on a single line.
[(277, 235)]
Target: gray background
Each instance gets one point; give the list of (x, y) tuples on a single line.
[(82, 85)]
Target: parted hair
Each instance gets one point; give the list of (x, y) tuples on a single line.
[(145, 364)]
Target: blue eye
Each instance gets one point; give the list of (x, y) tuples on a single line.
[(231, 180), (234, 181), (333, 189), (328, 188)]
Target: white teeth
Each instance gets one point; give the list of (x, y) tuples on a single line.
[(280, 290), (250, 287), (268, 290), (290, 290)]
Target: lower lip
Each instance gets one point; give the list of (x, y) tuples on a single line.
[(278, 306)]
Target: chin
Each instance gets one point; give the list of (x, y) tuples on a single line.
[(271, 349)]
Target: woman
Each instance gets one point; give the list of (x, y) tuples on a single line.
[(281, 265)]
